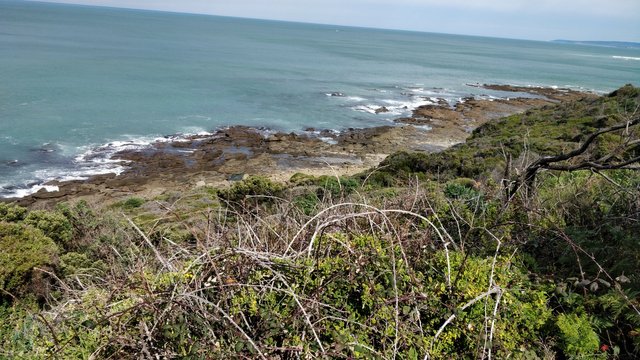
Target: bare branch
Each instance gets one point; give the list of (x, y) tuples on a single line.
[(550, 162)]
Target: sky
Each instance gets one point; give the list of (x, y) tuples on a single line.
[(616, 20)]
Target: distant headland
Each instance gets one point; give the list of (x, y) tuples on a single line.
[(615, 44)]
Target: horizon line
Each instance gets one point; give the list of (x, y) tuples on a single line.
[(312, 22)]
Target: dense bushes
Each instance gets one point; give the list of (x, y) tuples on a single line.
[(577, 337), (39, 245), (360, 296), (31, 242), (26, 252), (11, 213), (255, 189), (53, 224)]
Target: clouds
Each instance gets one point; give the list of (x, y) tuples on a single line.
[(623, 8), (527, 19)]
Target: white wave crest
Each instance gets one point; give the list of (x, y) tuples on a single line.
[(394, 107), (92, 160), (19, 193), (369, 108), (626, 58)]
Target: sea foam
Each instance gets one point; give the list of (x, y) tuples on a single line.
[(88, 161), (626, 58)]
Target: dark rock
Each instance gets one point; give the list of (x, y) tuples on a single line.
[(47, 148), (442, 102), (381, 110), (44, 194)]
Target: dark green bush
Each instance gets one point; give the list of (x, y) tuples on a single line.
[(461, 189), (12, 213), (133, 203), (73, 263), (307, 203), (336, 186), (259, 188), (300, 179), (53, 224), (23, 249), (81, 215)]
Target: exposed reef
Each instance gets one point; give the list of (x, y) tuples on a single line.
[(228, 154)]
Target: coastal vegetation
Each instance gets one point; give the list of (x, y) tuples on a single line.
[(520, 243)]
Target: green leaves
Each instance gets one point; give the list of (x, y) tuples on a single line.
[(257, 188), (11, 213), (23, 249), (577, 336), (53, 224)]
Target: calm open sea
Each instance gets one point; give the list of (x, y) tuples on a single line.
[(79, 83)]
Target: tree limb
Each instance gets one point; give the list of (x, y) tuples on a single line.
[(550, 162)]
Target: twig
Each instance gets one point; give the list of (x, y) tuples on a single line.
[(493, 323), (495, 290), (230, 320), (159, 257)]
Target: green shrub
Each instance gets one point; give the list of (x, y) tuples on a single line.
[(577, 338), (20, 331), (461, 189), (360, 285), (81, 215), (599, 216), (23, 249), (307, 203), (336, 186), (302, 179), (396, 169), (73, 263), (258, 187), (11, 213), (53, 224), (522, 312), (132, 203)]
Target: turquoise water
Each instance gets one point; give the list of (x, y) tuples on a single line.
[(78, 83)]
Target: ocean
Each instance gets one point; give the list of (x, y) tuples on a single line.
[(79, 83)]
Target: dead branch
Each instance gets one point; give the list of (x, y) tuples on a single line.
[(556, 162)]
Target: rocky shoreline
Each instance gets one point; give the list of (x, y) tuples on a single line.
[(230, 154)]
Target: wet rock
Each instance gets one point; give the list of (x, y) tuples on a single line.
[(442, 102), (45, 194), (554, 94), (229, 154), (336, 93), (381, 110), (437, 112), (47, 148)]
